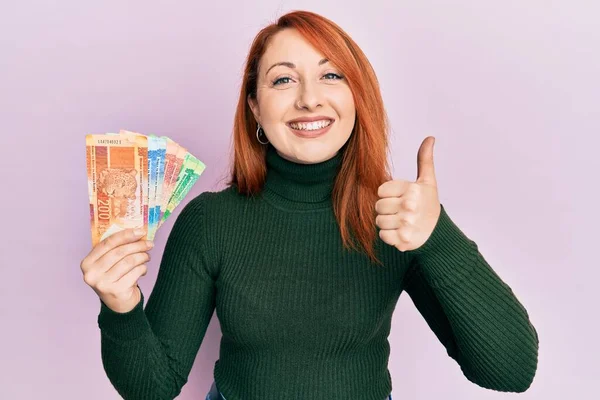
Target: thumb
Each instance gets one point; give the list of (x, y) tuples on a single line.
[(425, 168)]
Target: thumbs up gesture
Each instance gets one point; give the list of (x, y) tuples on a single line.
[(407, 212)]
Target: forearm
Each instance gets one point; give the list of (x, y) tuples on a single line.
[(497, 346), (134, 359)]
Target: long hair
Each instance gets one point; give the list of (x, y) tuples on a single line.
[(364, 166)]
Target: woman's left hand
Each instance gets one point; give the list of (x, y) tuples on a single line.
[(408, 211)]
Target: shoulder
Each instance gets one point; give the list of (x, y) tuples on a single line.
[(210, 207), (214, 201), (208, 198), (209, 216), (227, 200)]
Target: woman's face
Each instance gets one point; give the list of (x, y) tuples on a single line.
[(306, 86)]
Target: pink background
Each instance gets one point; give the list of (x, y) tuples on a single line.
[(510, 89)]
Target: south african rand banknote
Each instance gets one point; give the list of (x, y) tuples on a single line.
[(173, 178), (115, 170), (157, 148), (175, 156), (191, 170)]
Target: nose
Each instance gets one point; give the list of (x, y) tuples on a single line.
[(310, 96)]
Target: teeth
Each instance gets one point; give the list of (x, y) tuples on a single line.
[(310, 126)]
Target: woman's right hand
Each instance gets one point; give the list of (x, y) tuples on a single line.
[(113, 267)]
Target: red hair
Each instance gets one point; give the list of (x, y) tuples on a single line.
[(364, 166)]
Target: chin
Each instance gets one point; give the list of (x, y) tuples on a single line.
[(308, 156)]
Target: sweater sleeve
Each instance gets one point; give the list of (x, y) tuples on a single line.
[(473, 313), (148, 353)]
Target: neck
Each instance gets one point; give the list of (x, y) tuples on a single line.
[(295, 186)]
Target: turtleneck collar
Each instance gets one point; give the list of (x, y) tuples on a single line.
[(295, 186)]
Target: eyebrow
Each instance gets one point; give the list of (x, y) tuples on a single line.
[(292, 65)]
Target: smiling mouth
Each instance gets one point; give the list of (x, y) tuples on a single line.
[(310, 126)]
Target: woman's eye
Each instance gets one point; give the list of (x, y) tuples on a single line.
[(275, 83), (331, 73)]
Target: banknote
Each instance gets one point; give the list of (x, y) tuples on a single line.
[(156, 155), (171, 178), (164, 174), (115, 183), (190, 172)]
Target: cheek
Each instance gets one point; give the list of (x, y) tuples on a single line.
[(274, 107), (343, 101)]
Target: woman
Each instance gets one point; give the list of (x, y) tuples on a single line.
[(306, 252)]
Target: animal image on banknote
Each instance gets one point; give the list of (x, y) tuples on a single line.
[(136, 180)]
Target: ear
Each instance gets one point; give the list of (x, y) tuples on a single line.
[(254, 107)]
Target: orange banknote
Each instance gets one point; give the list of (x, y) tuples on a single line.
[(117, 183)]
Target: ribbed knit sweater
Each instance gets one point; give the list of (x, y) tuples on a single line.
[(301, 316)]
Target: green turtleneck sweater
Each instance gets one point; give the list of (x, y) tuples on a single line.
[(302, 317)]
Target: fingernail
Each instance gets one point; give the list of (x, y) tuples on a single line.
[(149, 244)]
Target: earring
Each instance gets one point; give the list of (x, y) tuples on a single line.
[(260, 131)]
